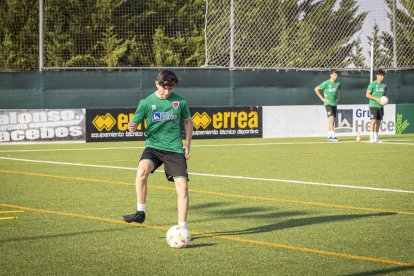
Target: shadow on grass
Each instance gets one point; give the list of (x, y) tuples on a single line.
[(292, 223), (242, 212), (193, 246), (204, 206), (383, 271), (61, 235)]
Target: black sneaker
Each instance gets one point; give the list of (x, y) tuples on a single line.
[(137, 217)]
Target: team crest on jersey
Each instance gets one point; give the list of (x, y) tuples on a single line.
[(175, 104), (153, 107)]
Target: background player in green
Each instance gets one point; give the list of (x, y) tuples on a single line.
[(332, 92), (375, 91), (163, 112)]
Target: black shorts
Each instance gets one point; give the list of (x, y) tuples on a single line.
[(377, 113), (330, 110), (175, 164)]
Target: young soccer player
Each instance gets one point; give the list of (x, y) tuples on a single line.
[(375, 91), (163, 112), (332, 92)]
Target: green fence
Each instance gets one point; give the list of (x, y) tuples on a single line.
[(201, 87)]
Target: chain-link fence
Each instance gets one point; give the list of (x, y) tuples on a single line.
[(310, 34), (304, 34)]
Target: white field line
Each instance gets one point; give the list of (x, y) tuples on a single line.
[(197, 146), (142, 147), (219, 176)]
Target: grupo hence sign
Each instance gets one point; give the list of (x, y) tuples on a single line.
[(42, 125)]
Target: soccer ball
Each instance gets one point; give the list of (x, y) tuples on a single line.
[(178, 237), (384, 100)]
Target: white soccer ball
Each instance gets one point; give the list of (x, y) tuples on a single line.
[(384, 100), (178, 237)]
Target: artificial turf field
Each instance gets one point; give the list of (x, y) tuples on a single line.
[(257, 207)]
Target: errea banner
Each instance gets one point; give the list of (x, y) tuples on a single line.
[(227, 122), (104, 125), (42, 125), (209, 122)]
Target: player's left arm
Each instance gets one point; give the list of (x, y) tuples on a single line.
[(368, 94), (188, 125), (339, 95)]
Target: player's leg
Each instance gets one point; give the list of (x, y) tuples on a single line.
[(145, 167), (175, 166), (380, 116), (331, 112), (183, 200), (331, 120), (376, 134), (331, 132), (373, 123), (149, 162)]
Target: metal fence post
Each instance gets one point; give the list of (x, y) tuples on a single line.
[(41, 36), (232, 34), (394, 30)]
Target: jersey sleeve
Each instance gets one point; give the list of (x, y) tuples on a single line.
[(340, 86), (371, 87), (185, 111), (139, 113), (322, 86)]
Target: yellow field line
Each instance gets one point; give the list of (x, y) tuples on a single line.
[(319, 204), (249, 241), (69, 177), (8, 218), (8, 212)]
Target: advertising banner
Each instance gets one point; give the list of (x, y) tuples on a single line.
[(104, 125), (404, 121), (227, 122), (42, 125), (209, 122), (354, 119), (312, 121)]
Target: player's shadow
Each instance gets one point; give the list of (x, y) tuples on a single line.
[(383, 271), (198, 245), (241, 213), (292, 223), (208, 205)]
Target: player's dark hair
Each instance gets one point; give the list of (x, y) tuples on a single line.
[(380, 72), (167, 78), (332, 71)]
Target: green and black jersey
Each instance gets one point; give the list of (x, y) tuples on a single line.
[(377, 90), (163, 121), (330, 91)]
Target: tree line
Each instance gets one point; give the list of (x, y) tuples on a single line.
[(160, 33)]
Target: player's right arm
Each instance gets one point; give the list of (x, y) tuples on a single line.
[(368, 94), (318, 93), (137, 118)]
